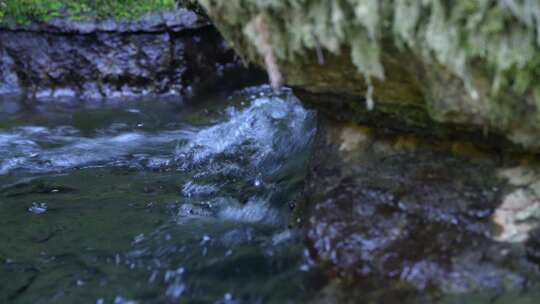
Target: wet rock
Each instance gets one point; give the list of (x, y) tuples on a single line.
[(519, 212), (9, 79), (402, 213), (170, 53), (533, 246), (517, 216), (167, 21)]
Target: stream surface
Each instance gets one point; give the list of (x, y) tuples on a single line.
[(153, 201)]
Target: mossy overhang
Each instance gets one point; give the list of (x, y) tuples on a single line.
[(468, 63)]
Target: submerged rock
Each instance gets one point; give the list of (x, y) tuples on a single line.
[(395, 214), (428, 66)]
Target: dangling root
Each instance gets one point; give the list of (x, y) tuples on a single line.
[(259, 27)]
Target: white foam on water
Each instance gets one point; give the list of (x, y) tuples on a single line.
[(261, 129), (254, 211), (40, 149)]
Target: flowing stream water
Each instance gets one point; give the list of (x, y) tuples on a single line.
[(153, 201)]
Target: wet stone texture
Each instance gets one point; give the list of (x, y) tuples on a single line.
[(440, 221), (174, 53)]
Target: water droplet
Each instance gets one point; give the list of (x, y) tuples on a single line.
[(228, 297), (168, 275), (370, 104), (153, 277), (38, 208), (205, 239), (139, 238), (175, 290)]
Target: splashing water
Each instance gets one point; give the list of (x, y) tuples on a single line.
[(153, 201)]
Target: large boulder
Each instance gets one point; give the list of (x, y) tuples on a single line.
[(441, 67)]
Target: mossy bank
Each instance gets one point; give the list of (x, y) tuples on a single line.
[(122, 49), (426, 65), (26, 11)]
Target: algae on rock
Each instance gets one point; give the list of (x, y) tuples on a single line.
[(467, 63)]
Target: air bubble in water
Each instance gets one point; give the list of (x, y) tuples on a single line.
[(139, 238), (176, 289), (205, 239), (38, 208), (153, 277)]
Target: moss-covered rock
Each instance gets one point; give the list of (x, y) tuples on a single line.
[(26, 11), (172, 53), (470, 64)]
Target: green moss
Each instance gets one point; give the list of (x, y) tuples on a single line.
[(486, 52), (452, 33), (25, 11)]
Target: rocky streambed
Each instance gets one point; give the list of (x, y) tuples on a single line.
[(402, 219)]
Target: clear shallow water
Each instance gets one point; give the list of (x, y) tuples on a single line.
[(153, 201)]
